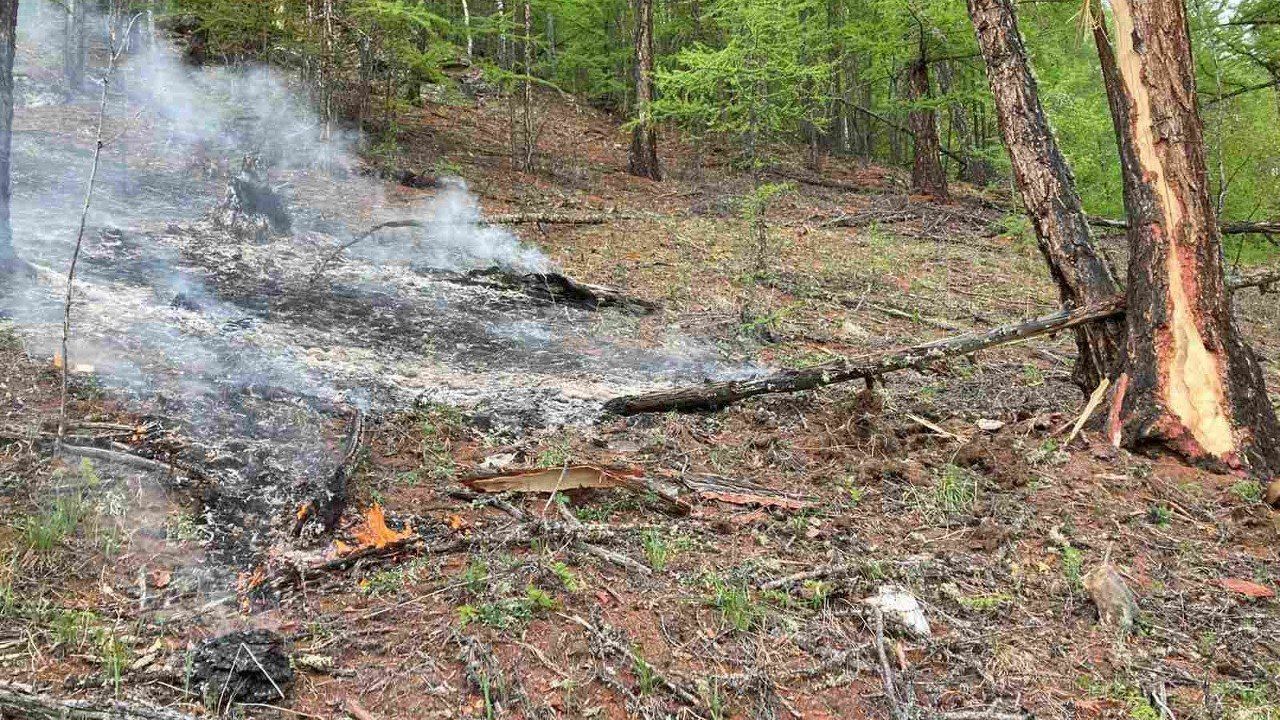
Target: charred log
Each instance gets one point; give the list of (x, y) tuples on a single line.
[(557, 288), (251, 208)]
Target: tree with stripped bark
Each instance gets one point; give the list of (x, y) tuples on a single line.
[(1187, 377)]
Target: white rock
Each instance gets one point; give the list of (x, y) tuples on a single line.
[(497, 462), (989, 425), (901, 607)]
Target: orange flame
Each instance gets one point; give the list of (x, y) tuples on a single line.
[(376, 534)]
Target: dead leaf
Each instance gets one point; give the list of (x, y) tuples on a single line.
[(456, 521), (1248, 588), (549, 480), (761, 500), (376, 534), (160, 578)]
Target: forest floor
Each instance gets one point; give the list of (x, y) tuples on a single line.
[(994, 527)]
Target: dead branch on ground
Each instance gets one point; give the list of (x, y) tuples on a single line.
[(716, 395), (24, 701)]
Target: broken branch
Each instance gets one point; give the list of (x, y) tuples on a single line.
[(1271, 227), (716, 395), (25, 702)]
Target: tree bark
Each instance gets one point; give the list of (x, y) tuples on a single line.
[(643, 160), (927, 175), (1047, 187), (1187, 380), (8, 38)]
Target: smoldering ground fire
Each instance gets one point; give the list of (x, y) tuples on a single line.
[(196, 299)]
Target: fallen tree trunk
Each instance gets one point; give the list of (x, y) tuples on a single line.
[(22, 701), (716, 395), (1271, 227), (711, 396)]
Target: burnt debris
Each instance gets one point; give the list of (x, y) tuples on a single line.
[(249, 666), (251, 208)]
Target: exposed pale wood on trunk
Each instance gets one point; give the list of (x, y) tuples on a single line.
[(1047, 187), (1188, 378)]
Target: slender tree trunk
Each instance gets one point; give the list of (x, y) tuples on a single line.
[(1187, 377), (466, 24), (74, 46), (643, 159), (527, 96), (1047, 188), (8, 37), (927, 175)]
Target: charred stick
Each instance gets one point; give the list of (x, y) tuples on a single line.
[(122, 458)]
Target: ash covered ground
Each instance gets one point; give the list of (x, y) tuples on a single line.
[(227, 336)]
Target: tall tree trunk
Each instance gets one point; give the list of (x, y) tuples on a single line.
[(527, 95), (643, 160), (74, 45), (1047, 188), (1187, 378), (466, 26), (927, 175), (8, 41)]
